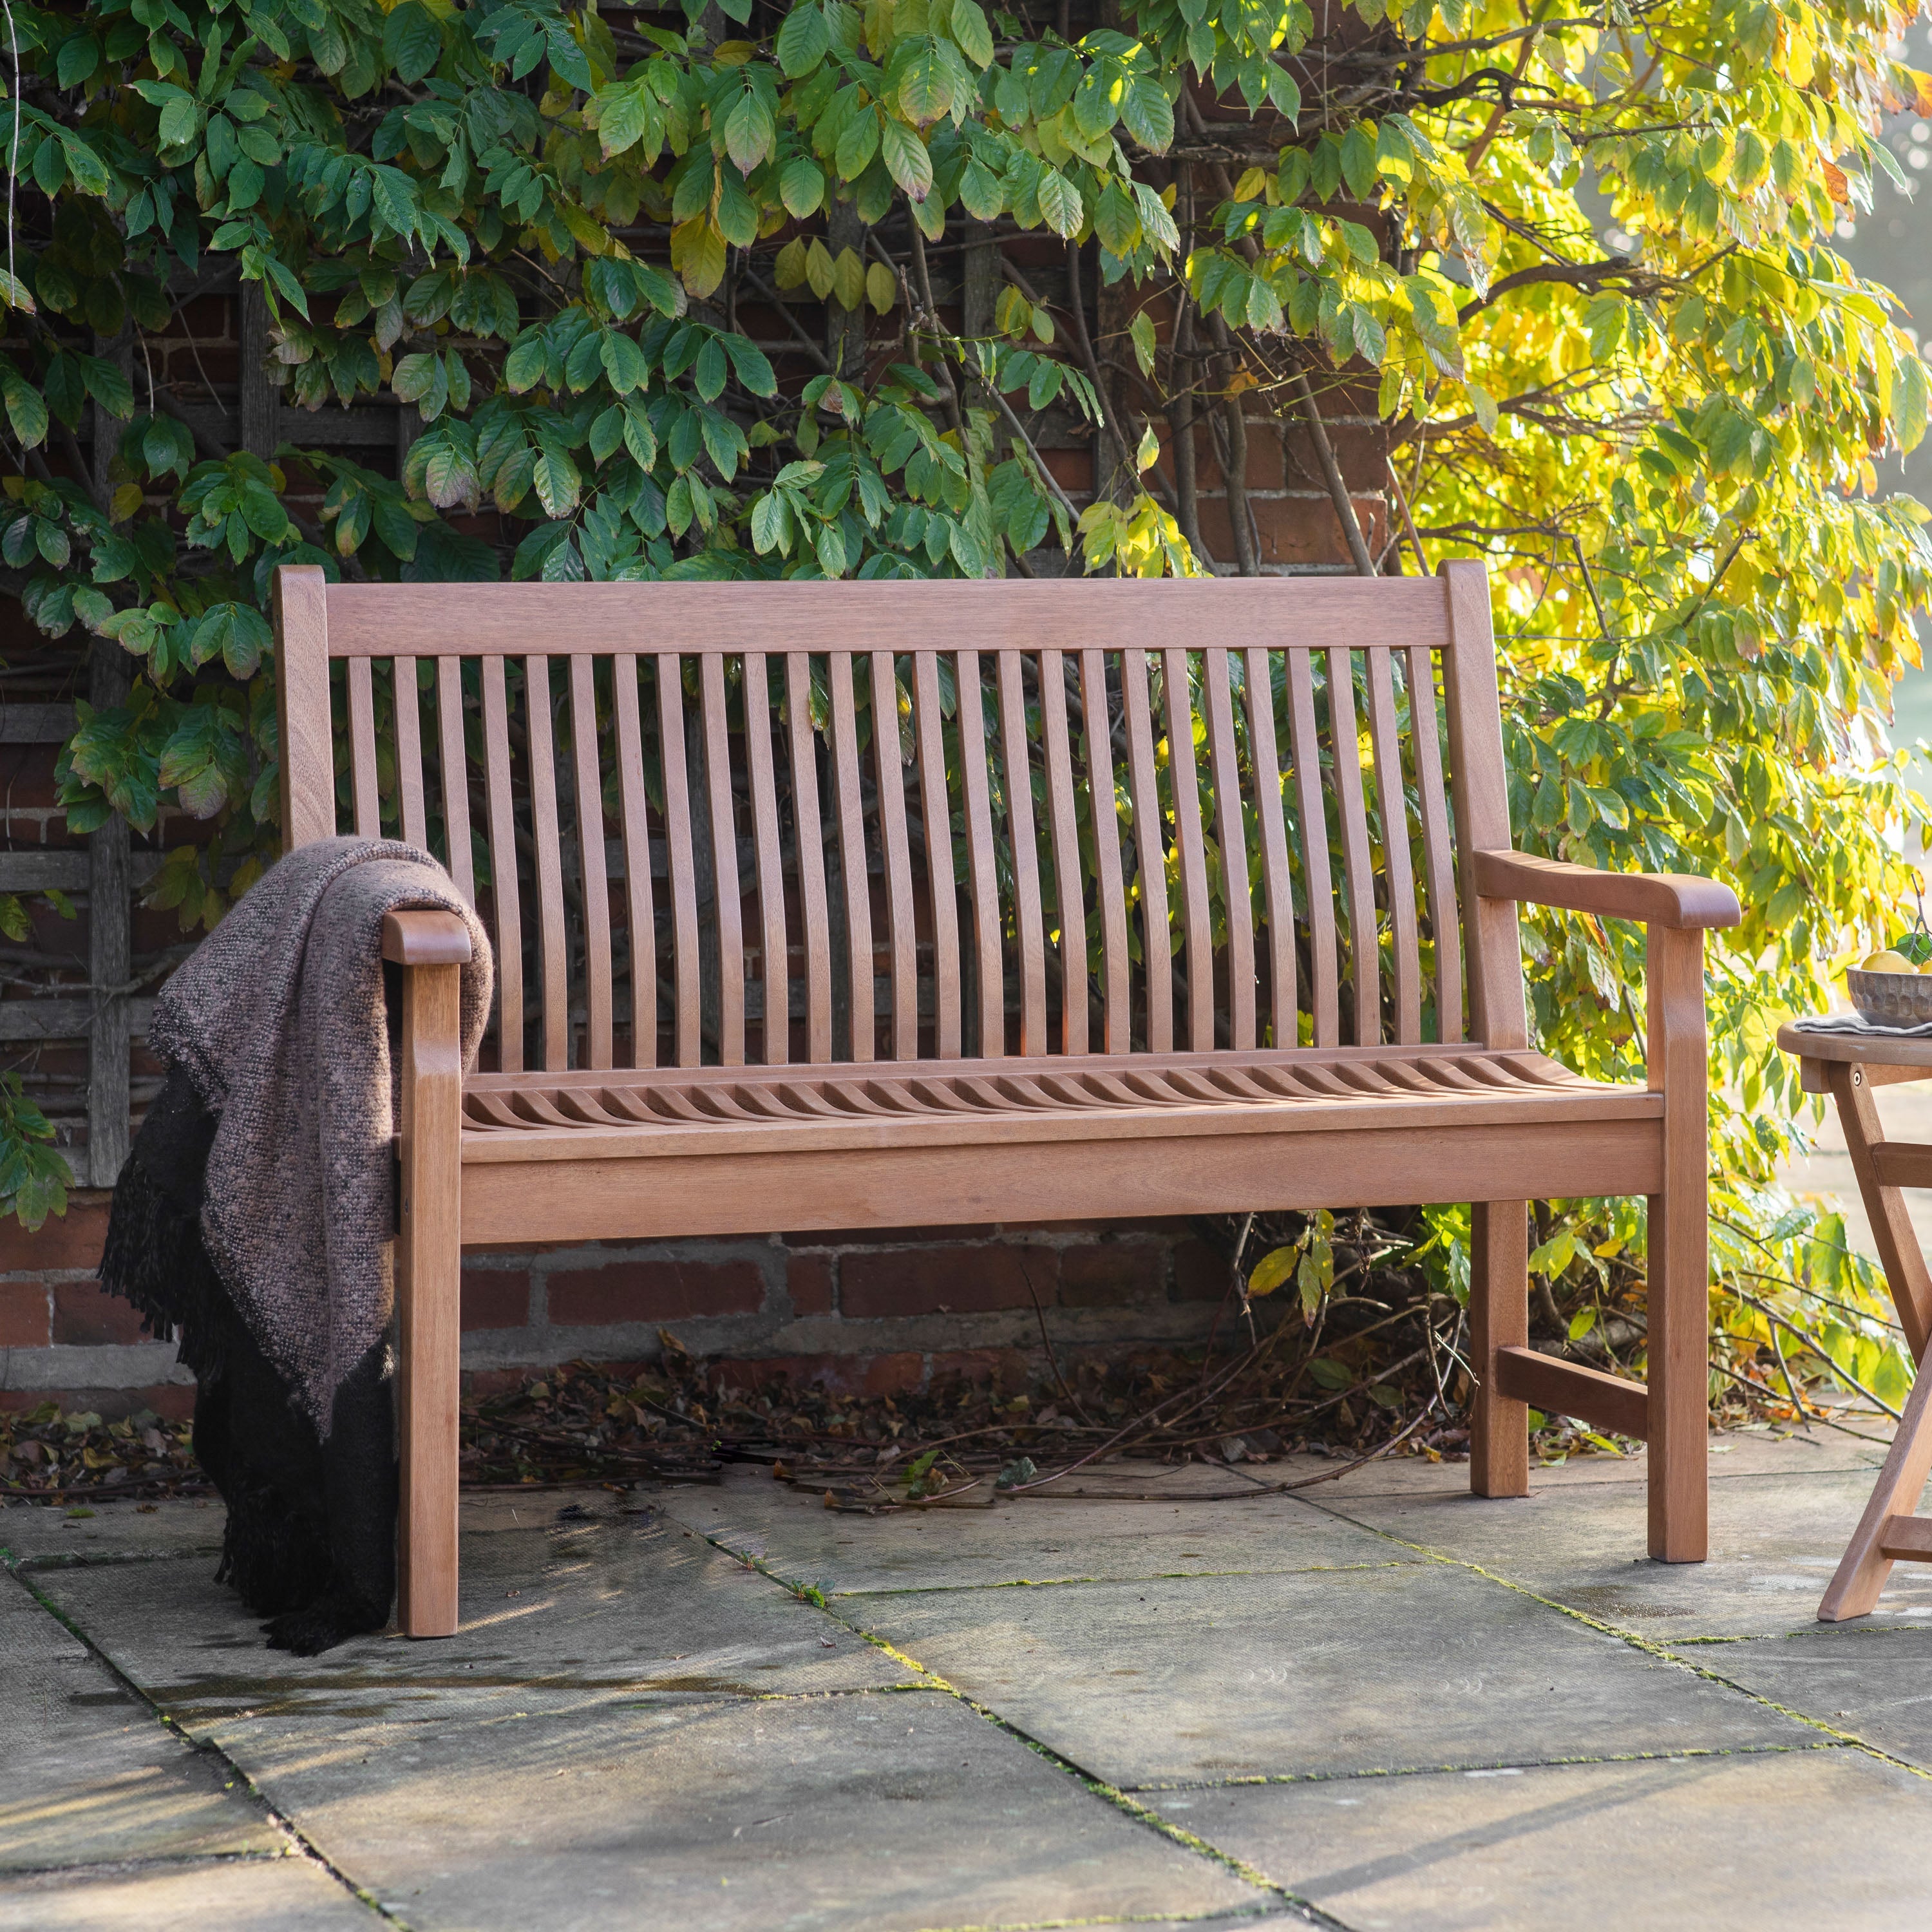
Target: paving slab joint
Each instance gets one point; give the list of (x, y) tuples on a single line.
[(300, 1844), (1109, 1795), (1646, 1645)]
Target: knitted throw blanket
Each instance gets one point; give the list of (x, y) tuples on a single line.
[(279, 1021)]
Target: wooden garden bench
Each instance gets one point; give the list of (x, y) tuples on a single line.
[(762, 967)]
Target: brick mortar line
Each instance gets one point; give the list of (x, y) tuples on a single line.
[(1112, 1795), (1646, 1645), (207, 1747)]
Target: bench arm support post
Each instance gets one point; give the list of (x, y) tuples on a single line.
[(428, 1263), (1677, 908)]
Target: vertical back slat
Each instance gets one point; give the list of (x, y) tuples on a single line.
[(1277, 883), (1439, 853), (1357, 871), (678, 861), (454, 760), (1307, 748), (983, 880), (775, 1045), (1224, 769), (1157, 950), (503, 891), (409, 756), (639, 913), (814, 913), (552, 948), (895, 847), (1029, 927), (1392, 801), (728, 894), (1493, 931), (1196, 914), (1069, 880), (852, 857), (591, 873), (1116, 994), (935, 807), (362, 748)]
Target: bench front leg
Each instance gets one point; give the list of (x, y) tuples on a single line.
[(1499, 1319), (428, 1279), (1679, 1303)]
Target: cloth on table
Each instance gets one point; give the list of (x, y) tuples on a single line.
[(1857, 1024)]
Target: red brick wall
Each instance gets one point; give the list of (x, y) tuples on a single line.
[(887, 1308)]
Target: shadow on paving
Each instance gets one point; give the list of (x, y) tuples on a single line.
[(1830, 1840), (283, 1894), (551, 1612), (813, 1815), (92, 1776)]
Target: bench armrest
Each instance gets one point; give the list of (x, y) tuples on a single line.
[(427, 937), (1681, 901)]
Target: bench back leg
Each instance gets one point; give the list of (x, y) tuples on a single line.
[(1499, 1319), (1678, 1303), (428, 1292)]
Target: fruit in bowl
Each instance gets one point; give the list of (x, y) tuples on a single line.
[(1891, 960)]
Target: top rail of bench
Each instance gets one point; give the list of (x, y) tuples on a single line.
[(597, 619)]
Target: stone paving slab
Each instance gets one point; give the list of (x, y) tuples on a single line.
[(576, 1608), (1870, 1680), (283, 1894), (1774, 1543), (797, 1538), (92, 1775), (40, 1533), (1346, 1671), (1830, 1840), (867, 1813)]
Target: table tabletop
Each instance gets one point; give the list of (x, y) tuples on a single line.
[(1860, 1049)]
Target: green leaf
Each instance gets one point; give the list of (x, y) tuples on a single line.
[(750, 365), (802, 41), (557, 482), (925, 89), (801, 186), (1149, 115), (26, 413), (237, 635), (1910, 395), (968, 22), (624, 363), (1273, 1269), (1140, 332), (749, 131), (1059, 203), (907, 160), (411, 43), (981, 192)]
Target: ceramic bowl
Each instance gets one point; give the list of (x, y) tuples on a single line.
[(1891, 999)]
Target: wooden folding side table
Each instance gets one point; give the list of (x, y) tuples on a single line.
[(1848, 1067)]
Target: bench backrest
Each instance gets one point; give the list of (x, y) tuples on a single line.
[(671, 803)]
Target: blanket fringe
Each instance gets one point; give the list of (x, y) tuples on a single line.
[(153, 1259)]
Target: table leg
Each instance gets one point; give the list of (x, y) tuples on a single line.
[(1879, 1539), (1898, 1250)]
